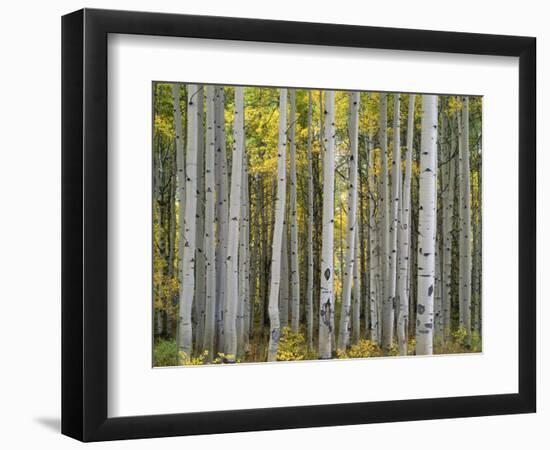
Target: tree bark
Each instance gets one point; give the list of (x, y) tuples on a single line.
[(232, 259), (284, 289), (405, 235), (200, 264), (427, 221), (356, 303), (448, 174), (465, 292), (244, 303), (374, 250), (345, 316), (326, 303), (187, 237), (384, 204), (310, 218), (394, 226), (280, 200), (221, 217), (294, 264), (210, 224)]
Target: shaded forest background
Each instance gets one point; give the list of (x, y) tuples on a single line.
[(226, 318)]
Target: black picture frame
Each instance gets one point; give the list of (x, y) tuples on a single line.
[(84, 224)]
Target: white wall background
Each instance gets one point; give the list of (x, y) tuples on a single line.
[(30, 221)]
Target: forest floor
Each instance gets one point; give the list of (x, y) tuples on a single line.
[(293, 347)]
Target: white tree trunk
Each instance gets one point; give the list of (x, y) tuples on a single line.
[(294, 264), (232, 260), (244, 305), (246, 288), (404, 239), (200, 263), (374, 250), (438, 299), (447, 225), (284, 287), (356, 303), (427, 222), (309, 289), (280, 200), (209, 222), (221, 216), (344, 331), (187, 237), (465, 291), (326, 301), (394, 226), (180, 190), (384, 205)]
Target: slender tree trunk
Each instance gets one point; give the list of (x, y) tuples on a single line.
[(232, 260), (389, 316), (364, 266), (187, 238), (294, 263), (172, 252), (385, 201), (405, 235), (465, 219), (356, 308), (344, 331), (243, 309), (210, 224), (427, 222), (254, 263), (221, 217), (265, 256), (200, 263), (374, 250), (448, 213), (438, 299), (284, 289), (310, 218), (280, 200), (326, 304), (180, 190)]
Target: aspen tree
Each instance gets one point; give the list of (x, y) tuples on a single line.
[(187, 230), (326, 301), (384, 204), (294, 263), (374, 249), (200, 264), (310, 218), (180, 176), (405, 235), (465, 291), (391, 279), (209, 223), (221, 216), (427, 221), (345, 316), (284, 289), (280, 200), (448, 175), (243, 307), (356, 304), (232, 259)]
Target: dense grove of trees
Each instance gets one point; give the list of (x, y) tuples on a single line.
[(298, 224)]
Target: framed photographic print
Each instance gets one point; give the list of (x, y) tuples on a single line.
[(274, 224)]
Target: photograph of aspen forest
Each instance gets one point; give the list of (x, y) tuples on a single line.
[(305, 224)]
